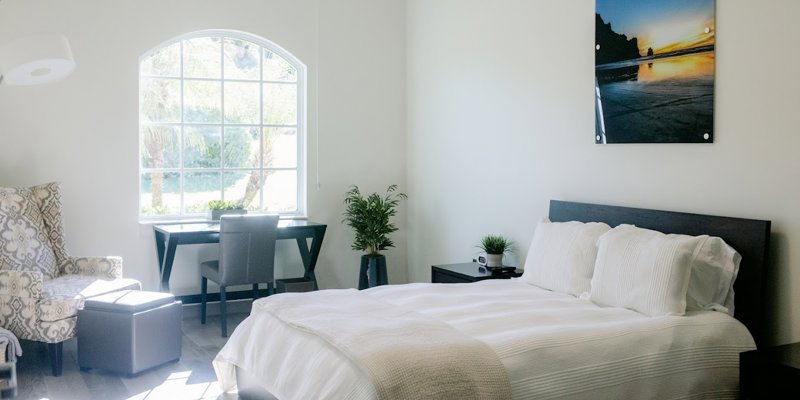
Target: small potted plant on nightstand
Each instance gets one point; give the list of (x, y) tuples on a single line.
[(370, 218), (495, 246), (218, 208)]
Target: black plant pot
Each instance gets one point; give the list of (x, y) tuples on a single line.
[(373, 272)]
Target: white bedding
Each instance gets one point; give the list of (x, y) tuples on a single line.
[(552, 346)]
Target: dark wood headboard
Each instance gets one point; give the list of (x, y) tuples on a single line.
[(748, 236)]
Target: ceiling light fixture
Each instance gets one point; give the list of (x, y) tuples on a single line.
[(34, 60)]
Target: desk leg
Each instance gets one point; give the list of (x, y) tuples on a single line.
[(166, 267), (305, 255), (310, 258), (160, 239)]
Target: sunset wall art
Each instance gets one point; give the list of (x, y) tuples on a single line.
[(654, 71)]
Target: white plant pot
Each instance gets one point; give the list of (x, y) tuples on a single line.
[(494, 260)]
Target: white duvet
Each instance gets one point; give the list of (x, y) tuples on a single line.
[(552, 346)]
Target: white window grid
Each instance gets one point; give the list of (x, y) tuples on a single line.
[(299, 126)]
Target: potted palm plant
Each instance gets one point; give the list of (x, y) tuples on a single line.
[(370, 218), (495, 247), (218, 208)]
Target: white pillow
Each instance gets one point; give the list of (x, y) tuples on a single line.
[(713, 274), (644, 270), (561, 256)]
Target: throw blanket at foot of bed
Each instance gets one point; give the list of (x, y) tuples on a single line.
[(407, 355)]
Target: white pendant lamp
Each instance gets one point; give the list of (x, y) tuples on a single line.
[(35, 60)]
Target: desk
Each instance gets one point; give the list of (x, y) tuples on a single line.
[(169, 236)]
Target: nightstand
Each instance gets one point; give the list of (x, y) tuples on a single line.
[(467, 272), (772, 372)]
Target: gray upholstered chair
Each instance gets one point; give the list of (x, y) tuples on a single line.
[(41, 285), (246, 256)]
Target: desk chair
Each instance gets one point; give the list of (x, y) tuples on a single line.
[(246, 256)]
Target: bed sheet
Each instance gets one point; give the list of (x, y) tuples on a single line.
[(552, 346)]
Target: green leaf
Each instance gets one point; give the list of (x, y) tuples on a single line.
[(370, 218), (495, 244)]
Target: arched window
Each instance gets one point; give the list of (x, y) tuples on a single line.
[(221, 117)]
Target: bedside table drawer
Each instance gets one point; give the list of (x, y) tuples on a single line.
[(443, 277)]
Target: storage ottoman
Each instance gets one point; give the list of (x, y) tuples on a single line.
[(129, 331)]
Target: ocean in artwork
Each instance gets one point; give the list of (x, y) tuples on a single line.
[(658, 86)]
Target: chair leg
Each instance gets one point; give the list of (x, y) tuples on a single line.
[(56, 350), (203, 295), (255, 291), (223, 312)]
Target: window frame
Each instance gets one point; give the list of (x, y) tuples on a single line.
[(300, 124)]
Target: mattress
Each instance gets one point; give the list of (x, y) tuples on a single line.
[(552, 345)]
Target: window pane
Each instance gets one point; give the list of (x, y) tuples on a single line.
[(242, 59), (218, 120), (242, 101), (160, 193), (202, 58), (241, 147), (164, 62), (202, 101), (160, 100), (243, 186), (280, 191), (201, 147), (198, 189), (280, 147), (277, 69), (280, 104), (160, 147)]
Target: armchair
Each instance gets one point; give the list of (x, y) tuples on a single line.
[(41, 285)]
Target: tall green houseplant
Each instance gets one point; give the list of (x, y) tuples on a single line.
[(370, 218)]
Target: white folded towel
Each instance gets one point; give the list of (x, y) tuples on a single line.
[(13, 349)]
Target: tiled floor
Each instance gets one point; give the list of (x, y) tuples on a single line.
[(190, 378)]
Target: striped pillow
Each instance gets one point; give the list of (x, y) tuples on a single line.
[(644, 270), (561, 256)]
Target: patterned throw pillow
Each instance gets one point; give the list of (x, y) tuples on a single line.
[(24, 245)]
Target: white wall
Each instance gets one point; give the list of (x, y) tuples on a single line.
[(501, 120), (83, 131)]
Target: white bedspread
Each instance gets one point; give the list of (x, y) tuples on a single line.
[(408, 355), (552, 346)]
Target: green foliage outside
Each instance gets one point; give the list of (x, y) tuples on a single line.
[(160, 210), (194, 183), (370, 218)]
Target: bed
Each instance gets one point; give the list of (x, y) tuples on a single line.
[(541, 343)]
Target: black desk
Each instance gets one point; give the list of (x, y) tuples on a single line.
[(169, 236)]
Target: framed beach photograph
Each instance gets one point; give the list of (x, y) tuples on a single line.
[(654, 71)]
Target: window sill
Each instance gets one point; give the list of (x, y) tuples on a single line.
[(191, 220)]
